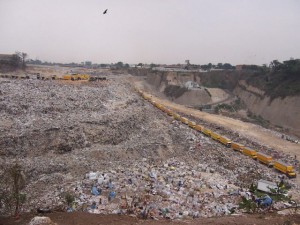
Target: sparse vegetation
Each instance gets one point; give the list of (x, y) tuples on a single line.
[(11, 196), (258, 119), (207, 92), (13, 62), (224, 106), (233, 107), (69, 198), (279, 80), (248, 205)]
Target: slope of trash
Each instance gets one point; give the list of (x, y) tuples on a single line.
[(103, 137)]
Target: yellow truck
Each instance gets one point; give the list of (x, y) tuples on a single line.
[(249, 152), (170, 113), (83, 76), (236, 146), (265, 159), (225, 141), (161, 107), (76, 76), (285, 168), (176, 116), (214, 136), (198, 128), (67, 77), (151, 101), (206, 131), (184, 120), (191, 124), (157, 105)]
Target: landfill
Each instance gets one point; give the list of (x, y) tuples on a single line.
[(117, 154)]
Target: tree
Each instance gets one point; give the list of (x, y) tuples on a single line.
[(12, 183), (292, 66), (219, 65), (275, 65), (15, 61), (152, 65), (228, 66), (209, 65), (18, 184), (22, 56), (119, 64), (140, 64)]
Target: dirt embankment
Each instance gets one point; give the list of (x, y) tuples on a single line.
[(284, 112), (214, 79), (191, 88)]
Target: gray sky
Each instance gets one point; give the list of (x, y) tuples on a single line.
[(158, 31)]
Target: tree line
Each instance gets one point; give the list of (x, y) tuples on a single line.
[(14, 61)]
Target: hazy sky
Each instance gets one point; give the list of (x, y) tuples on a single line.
[(152, 31)]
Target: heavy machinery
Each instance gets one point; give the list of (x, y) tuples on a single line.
[(76, 76), (192, 124), (215, 136), (265, 159), (285, 168), (206, 131), (176, 116), (225, 141), (184, 120), (249, 152), (236, 146), (198, 127)]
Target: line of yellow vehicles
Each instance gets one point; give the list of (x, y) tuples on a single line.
[(287, 169), (76, 77), (73, 77)]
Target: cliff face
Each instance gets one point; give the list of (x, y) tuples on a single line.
[(172, 83), (284, 112), (160, 80)]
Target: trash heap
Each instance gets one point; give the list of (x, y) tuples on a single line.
[(59, 132), (172, 190)]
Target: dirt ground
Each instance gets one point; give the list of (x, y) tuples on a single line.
[(80, 218)]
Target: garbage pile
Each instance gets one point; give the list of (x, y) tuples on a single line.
[(59, 132), (172, 190), (42, 116)]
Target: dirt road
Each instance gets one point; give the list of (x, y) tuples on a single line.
[(252, 131)]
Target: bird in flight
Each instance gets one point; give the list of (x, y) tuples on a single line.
[(105, 11)]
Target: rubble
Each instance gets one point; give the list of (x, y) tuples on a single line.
[(172, 189)]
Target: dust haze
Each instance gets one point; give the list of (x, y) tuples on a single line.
[(238, 32)]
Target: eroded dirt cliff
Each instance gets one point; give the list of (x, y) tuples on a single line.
[(284, 112)]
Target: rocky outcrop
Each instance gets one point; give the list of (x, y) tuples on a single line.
[(284, 112)]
